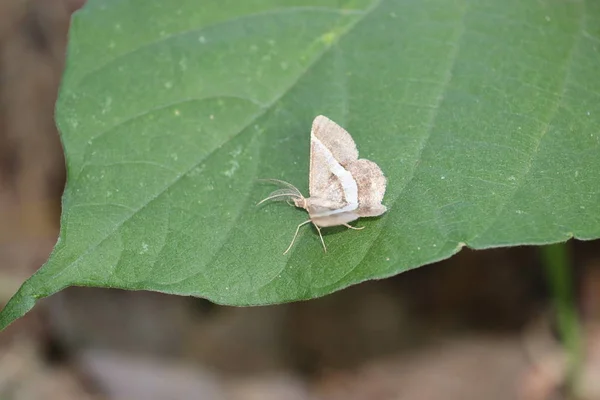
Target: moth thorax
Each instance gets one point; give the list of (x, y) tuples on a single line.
[(301, 202)]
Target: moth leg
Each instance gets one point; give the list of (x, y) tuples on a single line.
[(321, 236), (353, 227), (295, 234)]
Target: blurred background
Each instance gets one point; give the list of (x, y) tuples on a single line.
[(481, 325)]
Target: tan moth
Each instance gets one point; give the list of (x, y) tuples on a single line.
[(342, 187)]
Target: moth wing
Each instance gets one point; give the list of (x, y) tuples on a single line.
[(335, 219), (323, 183), (325, 213), (335, 138), (371, 185)]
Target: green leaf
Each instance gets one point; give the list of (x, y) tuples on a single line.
[(484, 115)]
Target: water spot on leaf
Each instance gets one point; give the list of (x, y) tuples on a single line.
[(234, 164), (107, 105), (183, 64), (197, 171)]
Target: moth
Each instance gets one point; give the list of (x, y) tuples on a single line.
[(342, 187)]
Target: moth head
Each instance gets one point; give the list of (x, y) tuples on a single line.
[(301, 202)]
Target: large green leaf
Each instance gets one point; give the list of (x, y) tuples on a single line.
[(484, 115)]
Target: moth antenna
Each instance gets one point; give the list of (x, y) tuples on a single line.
[(282, 195), (296, 234), (282, 183)]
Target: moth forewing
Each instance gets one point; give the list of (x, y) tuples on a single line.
[(335, 138), (334, 220), (321, 207)]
